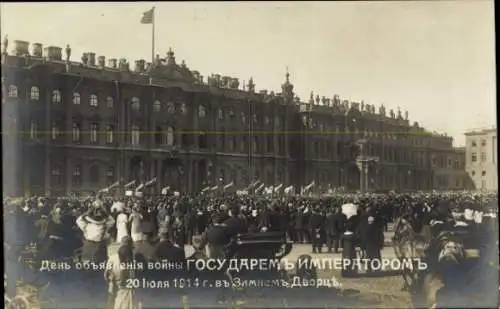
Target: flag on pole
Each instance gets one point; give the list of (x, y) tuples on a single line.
[(151, 182), (259, 188), (148, 16), (164, 191), (130, 184), (229, 185), (139, 188)]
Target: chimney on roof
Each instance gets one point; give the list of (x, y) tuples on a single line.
[(21, 48), (37, 50), (53, 53), (112, 63), (101, 61), (92, 59)]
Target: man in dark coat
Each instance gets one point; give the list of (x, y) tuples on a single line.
[(236, 224), (316, 227), (372, 238), (335, 222), (216, 238)]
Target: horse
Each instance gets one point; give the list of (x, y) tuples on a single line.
[(408, 244), (444, 254)]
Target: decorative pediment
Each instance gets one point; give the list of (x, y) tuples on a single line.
[(168, 69)]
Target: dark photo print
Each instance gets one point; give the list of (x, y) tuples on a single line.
[(189, 155)]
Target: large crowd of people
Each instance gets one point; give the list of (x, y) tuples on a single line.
[(157, 227), (58, 224)]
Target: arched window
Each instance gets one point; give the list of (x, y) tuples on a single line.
[(110, 174), (35, 93), (201, 111), (202, 140), (170, 107), (183, 109), (94, 174), (56, 175), (136, 134), (136, 104), (109, 134), (76, 176), (93, 100), (170, 136), (33, 130), (76, 98), (56, 96), (94, 128), (12, 91), (156, 106), (109, 102), (76, 132), (55, 131)]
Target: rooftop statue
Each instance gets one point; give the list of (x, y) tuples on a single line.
[(381, 110), (5, 44), (68, 53), (311, 98), (406, 115)]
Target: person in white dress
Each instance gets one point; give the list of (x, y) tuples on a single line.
[(121, 225), (135, 228)]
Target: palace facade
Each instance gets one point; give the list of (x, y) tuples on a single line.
[(80, 126)]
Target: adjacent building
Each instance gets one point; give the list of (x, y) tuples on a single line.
[(80, 126), (481, 158)]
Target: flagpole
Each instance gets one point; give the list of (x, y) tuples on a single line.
[(153, 34)]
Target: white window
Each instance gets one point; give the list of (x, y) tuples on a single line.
[(109, 134), (12, 91), (110, 174), (483, 156), (201, 111), (156, 106), (93, 101), (56, 175), (136, 104), (76, 98), (56, 171), (93, 133), (56, 96), (35, 93), (136, 134), (170, 136), (76, 132), (77, 176), (170, 107), (109, 102), (33, 130), (55, 131)]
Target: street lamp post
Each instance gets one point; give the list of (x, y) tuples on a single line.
[(363, 161)]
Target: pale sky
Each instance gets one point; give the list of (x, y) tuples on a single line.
[(434, 59)]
